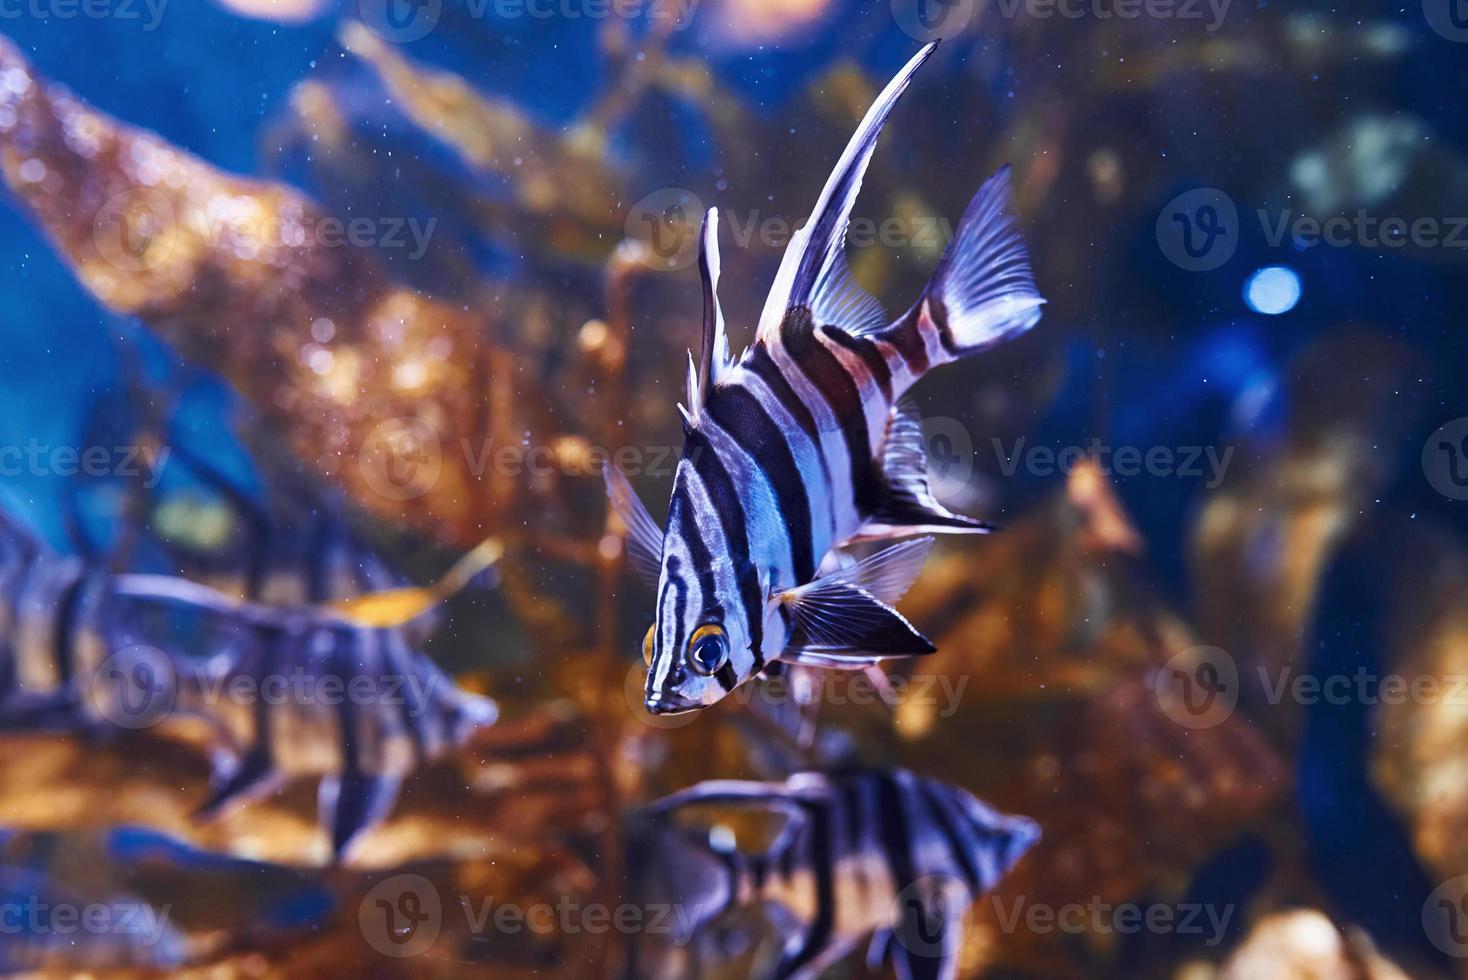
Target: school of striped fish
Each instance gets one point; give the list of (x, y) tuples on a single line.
[(800, 514)]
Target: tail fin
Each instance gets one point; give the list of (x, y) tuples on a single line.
[(982, 293)]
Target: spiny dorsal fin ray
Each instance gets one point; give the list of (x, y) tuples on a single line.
[(644, 537), (907, 506), (816, 246), (693, 394)]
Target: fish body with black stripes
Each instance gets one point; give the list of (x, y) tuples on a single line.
[(808, 443), (335, 692), (881, 856)]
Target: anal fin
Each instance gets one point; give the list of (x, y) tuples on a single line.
[(906, 504), (837, 623)]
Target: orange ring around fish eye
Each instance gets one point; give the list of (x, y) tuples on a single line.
[(647, 645), (708, 649)]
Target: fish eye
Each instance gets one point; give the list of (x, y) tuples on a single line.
[(647, 645), (708, 650)]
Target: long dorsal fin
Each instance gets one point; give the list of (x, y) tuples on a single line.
[(713, 361), (819, 245)]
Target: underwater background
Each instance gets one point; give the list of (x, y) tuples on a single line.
[(338, 291)]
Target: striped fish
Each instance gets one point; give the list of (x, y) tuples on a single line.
[(884, 854), (806, 443), (335, 693), (296, 546)]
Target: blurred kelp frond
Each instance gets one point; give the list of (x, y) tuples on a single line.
[(1420, 754), (1294, 494), (368, 383)]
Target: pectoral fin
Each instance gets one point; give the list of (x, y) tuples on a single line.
[(835, 621), (644, 537)]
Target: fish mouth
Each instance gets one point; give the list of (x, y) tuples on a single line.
[(668, 704)]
